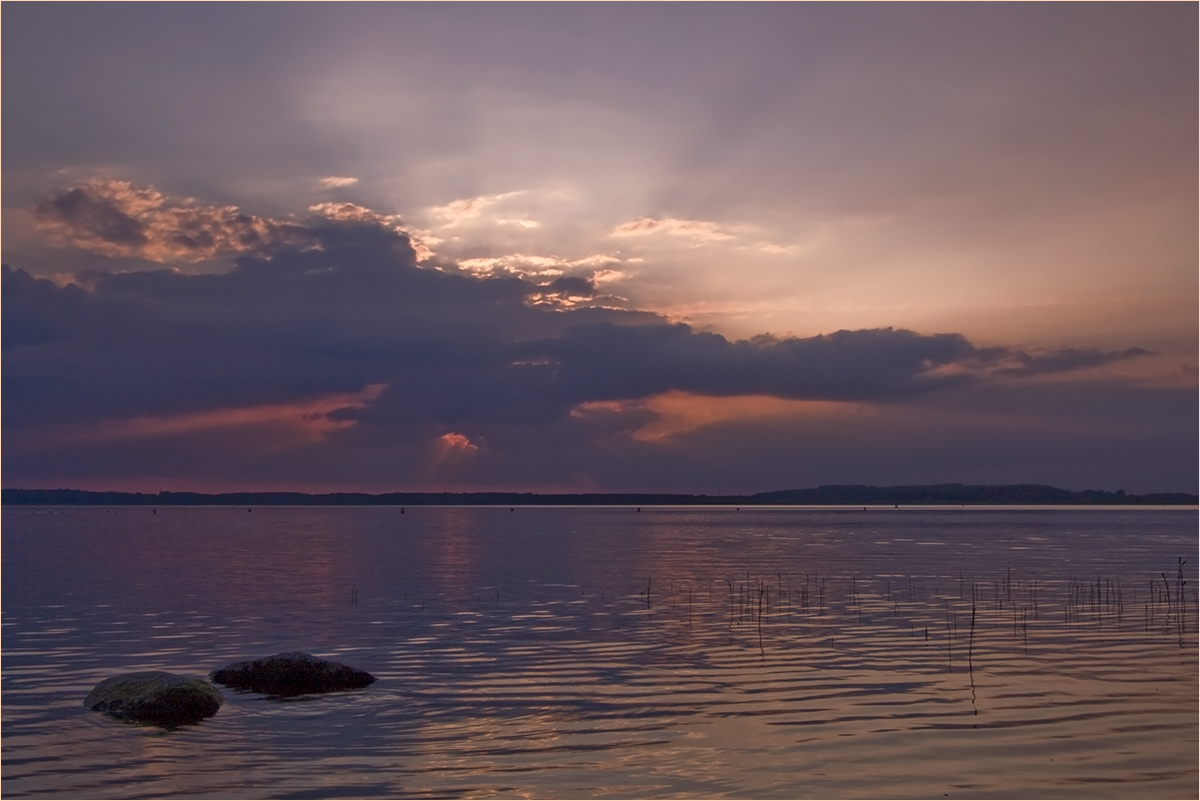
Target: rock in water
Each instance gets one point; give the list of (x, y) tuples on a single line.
[(155, 696), (292, 673)]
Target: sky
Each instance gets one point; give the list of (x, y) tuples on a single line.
[(703, 248)]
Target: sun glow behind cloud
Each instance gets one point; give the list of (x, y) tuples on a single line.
[(450, 460)]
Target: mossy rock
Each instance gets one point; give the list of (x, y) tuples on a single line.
[(293, 673), (154, 696)]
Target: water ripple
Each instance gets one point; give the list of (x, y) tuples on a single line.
[(796, 654)]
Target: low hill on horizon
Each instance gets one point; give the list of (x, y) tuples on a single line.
[(825, 495)]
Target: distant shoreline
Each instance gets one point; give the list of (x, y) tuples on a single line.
[(828, 495)]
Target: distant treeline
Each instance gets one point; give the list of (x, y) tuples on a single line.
[(836, 495), (966, 493)]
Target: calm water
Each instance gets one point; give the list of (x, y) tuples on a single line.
[(777, 653)]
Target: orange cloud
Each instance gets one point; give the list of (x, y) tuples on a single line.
[(679, 412), (351, 212), (524, 266), (310, 420), (450, 461), (458, 442), (338, 181), (116, 218)]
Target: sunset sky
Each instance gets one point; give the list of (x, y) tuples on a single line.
[(599, 247)]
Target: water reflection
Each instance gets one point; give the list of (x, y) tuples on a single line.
[(776, 653)]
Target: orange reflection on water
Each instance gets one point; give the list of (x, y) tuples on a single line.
[(452, 547)]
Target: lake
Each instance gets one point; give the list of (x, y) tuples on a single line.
[(612, 653)]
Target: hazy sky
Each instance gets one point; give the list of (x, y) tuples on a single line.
[(679, 247)]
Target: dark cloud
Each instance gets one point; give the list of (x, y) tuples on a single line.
[(573, 285), (356, 310), (94, 216), (1067, 359), (350, 310), (603, 360)]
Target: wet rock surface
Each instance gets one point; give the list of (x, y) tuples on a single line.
[(155, 696), (293, 673)]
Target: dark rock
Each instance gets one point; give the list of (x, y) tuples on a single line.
[(154, 696), (292, 673)]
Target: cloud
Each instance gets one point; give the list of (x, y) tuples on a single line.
[(423, 242), (373, 363), (701, 231), (307, 420), (115, 218), (459, 211), (604, 360), (450, 347), (337, 181), (567, 292), (1065, 360), (351, 212), (674, 413), (313, 418), (520, 264), (772, 248), (455, 441), (697, 233), (608, 276)]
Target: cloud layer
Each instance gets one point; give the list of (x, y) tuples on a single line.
[(331, 339)]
